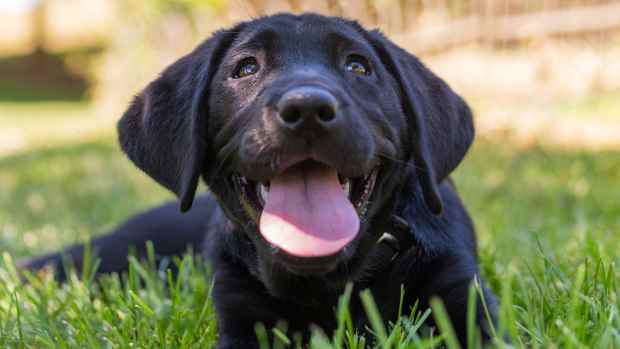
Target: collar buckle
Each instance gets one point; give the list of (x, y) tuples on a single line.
[(400, 236)]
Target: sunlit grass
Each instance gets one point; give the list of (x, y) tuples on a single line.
[(54, 196), (25, 126), (602, 106)]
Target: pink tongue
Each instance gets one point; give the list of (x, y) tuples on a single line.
[(307, 214)]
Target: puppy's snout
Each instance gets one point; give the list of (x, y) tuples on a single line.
[(307, 107)]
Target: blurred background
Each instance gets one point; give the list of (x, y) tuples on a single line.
[(536, 70), (543, 78)]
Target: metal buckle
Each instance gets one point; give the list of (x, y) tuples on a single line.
[(390, 241)]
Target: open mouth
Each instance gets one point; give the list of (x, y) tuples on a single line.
[(309, 210)]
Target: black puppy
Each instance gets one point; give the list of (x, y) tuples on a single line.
[(327, 150)]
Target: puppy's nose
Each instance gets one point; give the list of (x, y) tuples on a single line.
[(307, 107)]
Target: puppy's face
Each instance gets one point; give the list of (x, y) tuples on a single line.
[(305, 131), (304, 127)]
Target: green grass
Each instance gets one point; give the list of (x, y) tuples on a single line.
[(41, 114), (24, 126), (549, 235)]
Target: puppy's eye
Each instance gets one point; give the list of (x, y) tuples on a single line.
[(247, 66), (358, 65)]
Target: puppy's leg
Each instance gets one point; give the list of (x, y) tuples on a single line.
[(450, 279), (240, 301), (170, 231)]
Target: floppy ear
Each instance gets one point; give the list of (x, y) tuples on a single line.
[(163, 130), (440, 122)]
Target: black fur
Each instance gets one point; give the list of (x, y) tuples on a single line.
[(196, 121)]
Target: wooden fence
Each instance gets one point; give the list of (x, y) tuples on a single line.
[(436, 25)]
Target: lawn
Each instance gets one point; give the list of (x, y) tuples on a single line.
[(548, 223)]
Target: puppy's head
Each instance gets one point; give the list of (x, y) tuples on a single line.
[(304, 127)]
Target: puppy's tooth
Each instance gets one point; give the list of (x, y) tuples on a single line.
[(346, 187), (264, 192)]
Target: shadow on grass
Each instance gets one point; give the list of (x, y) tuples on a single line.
[(42, 76)]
